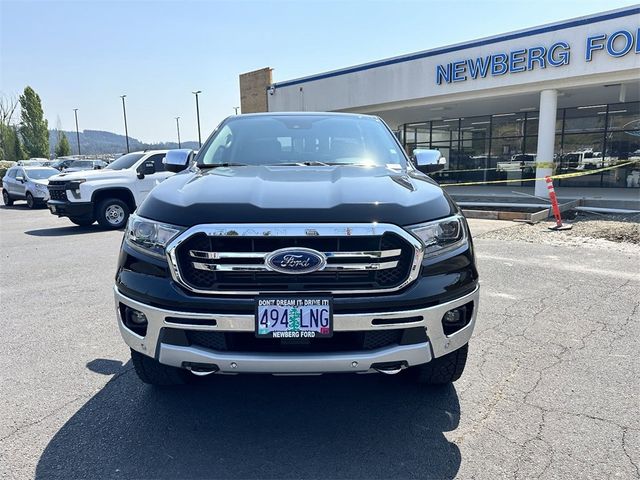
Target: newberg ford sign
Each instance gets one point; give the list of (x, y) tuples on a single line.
[(618, 44)]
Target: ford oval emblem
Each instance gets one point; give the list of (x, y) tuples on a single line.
[(295, 260)]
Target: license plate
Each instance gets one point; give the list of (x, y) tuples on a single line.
[(294, 317), (53, 209)]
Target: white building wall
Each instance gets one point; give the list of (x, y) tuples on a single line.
[(413, 81)]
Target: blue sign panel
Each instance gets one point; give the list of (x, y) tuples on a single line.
[(617, 44)]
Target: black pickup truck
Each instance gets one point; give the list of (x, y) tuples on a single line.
[(298, 243)]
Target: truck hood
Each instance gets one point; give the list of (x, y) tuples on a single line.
[(266, 194), (102, 174)]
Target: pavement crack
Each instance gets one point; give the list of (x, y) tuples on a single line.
[(627, 454)]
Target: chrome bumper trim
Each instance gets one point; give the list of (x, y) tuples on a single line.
[(295, 363), (431, 319)]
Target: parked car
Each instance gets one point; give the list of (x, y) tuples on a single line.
[(79, 165), (27, 183), (110, 194), (76, 165), (62, 163), (33, 162), (298, 244)]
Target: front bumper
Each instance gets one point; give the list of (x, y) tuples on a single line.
[(41, 196), (70, 209), (430, 318)]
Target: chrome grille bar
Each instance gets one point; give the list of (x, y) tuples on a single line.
[(228, 267), (335, 267), (227, 255), (223, 255)]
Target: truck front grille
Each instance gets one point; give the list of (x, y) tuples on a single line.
[(235, 263), (57, 190)]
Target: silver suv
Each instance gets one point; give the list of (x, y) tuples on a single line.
[(27, 183)]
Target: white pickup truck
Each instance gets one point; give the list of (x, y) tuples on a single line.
[(108, 195)]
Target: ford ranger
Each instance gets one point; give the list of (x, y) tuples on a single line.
[(298, 243)]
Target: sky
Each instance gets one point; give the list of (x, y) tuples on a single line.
[(85, 54)]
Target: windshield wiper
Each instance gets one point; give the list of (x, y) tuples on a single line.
[(353, 164), (217, 165), (316, 162), (297, 164)]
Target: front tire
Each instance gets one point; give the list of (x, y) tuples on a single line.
[(31, 202), (8, 201), (152, 372), (82, 222), (112, 213), (442, 370)]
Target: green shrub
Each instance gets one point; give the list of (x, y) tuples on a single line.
[(4, 166)]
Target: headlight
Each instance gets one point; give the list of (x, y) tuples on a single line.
[(40, 187), (441, 235), (149, 236), (75, 184)]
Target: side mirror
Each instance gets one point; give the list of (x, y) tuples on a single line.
[(20, 178), (177, 160), (147, 168), (428, 161)]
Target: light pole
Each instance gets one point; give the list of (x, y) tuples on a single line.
[(236, 109), (75, 111), (124, 112), (198, 116), (178, 127)]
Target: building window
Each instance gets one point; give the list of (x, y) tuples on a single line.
[(503, 146)]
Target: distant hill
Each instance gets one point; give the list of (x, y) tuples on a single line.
[(95, 142)]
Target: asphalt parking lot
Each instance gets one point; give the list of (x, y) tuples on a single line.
[(550, 391)]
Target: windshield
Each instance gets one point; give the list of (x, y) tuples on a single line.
[(302, 139), (124, 162), (40, 173)]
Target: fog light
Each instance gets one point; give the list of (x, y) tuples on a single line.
[(458, 318), (135, 321), (452, 316), (137, 317)]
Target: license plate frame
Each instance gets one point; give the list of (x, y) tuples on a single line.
[(310, 325)]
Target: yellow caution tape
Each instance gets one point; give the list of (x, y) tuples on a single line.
[(539, 165), (544, 165), (555, 177)]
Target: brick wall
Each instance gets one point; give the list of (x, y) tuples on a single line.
[(253, 90)]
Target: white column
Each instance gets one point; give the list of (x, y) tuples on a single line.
[(546, 139)]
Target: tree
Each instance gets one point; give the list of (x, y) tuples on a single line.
[(34, 129), (10, 147), (18, 149), (62, 148), (8, 106)]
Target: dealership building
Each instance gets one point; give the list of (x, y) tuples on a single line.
[(561, 98)]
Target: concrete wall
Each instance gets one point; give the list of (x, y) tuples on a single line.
[(412, 79), (253, 90)]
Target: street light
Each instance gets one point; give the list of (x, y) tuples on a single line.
[(75, 111), (198, 116), (124, 111), (178, 127)]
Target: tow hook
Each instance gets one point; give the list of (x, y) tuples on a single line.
[(200, 369), (389, 368)]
